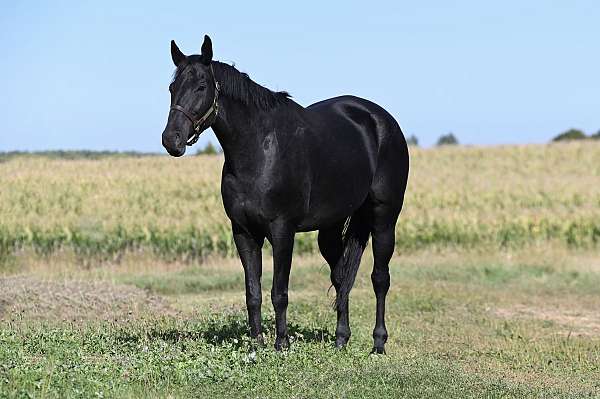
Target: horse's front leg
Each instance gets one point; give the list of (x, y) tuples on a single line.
[(282, 240), (249, 248)]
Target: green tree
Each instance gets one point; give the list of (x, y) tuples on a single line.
[(596, 136), (447, 139), (412, 141), (571, 134), (209, 149)]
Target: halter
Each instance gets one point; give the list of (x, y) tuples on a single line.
[(199, 124)]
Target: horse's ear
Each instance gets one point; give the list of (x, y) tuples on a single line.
[(176, 54), (207, 52)]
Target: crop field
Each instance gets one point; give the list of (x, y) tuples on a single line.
[(499, 197), (118, 278)]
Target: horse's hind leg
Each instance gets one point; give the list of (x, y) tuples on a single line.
[(331, 247), (384, 217)]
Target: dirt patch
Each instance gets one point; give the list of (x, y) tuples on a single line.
[(572, 321), (34, 298)]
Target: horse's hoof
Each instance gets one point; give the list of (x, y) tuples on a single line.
[(282, 343), (341, 342), (378, 350), (257, 342)]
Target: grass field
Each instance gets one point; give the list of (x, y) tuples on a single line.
[(499, 197), (117, 279), (499, 325)]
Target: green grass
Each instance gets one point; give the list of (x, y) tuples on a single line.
[(461, 325), (211, 357), (188, 281)]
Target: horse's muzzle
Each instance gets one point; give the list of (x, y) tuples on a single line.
[(173, 143)]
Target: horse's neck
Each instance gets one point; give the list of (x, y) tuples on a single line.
[(241, 131)]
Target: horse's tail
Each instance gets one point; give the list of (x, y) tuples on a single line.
[(355, 237)]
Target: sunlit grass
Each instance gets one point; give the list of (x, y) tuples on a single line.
[(497, 197), (118, 278), (518, 324)]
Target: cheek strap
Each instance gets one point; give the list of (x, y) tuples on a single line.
[(210, 115)]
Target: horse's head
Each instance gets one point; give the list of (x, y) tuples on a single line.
[(194, 95)]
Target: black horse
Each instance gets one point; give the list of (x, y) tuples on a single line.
[(339, 166)]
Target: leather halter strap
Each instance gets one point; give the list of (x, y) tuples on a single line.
[(200, 124)]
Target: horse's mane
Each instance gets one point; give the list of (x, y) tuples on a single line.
[(240, 87)]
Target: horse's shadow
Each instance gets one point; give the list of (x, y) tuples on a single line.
[(231, 330)]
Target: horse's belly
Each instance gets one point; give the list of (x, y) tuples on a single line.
[(321, 219), (336, 196)]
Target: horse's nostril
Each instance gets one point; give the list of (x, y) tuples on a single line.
[(178, 139), (173, 140)]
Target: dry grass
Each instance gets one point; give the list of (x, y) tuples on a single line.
[(32, 298), (572, 318)]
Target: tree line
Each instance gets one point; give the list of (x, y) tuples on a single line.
[(444, 139), (74, 154), (211, 149), (568, 135), (576, 134)]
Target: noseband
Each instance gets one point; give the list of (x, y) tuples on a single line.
[(200, 124)]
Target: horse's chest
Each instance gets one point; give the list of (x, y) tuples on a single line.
[(237, 198), (255, 202)]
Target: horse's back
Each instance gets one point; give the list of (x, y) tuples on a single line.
[(361, 112), (380, 130), (357, 150)]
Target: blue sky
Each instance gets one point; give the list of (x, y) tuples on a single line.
[(95, 75)]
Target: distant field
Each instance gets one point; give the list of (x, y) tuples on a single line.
[(458, 197)]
